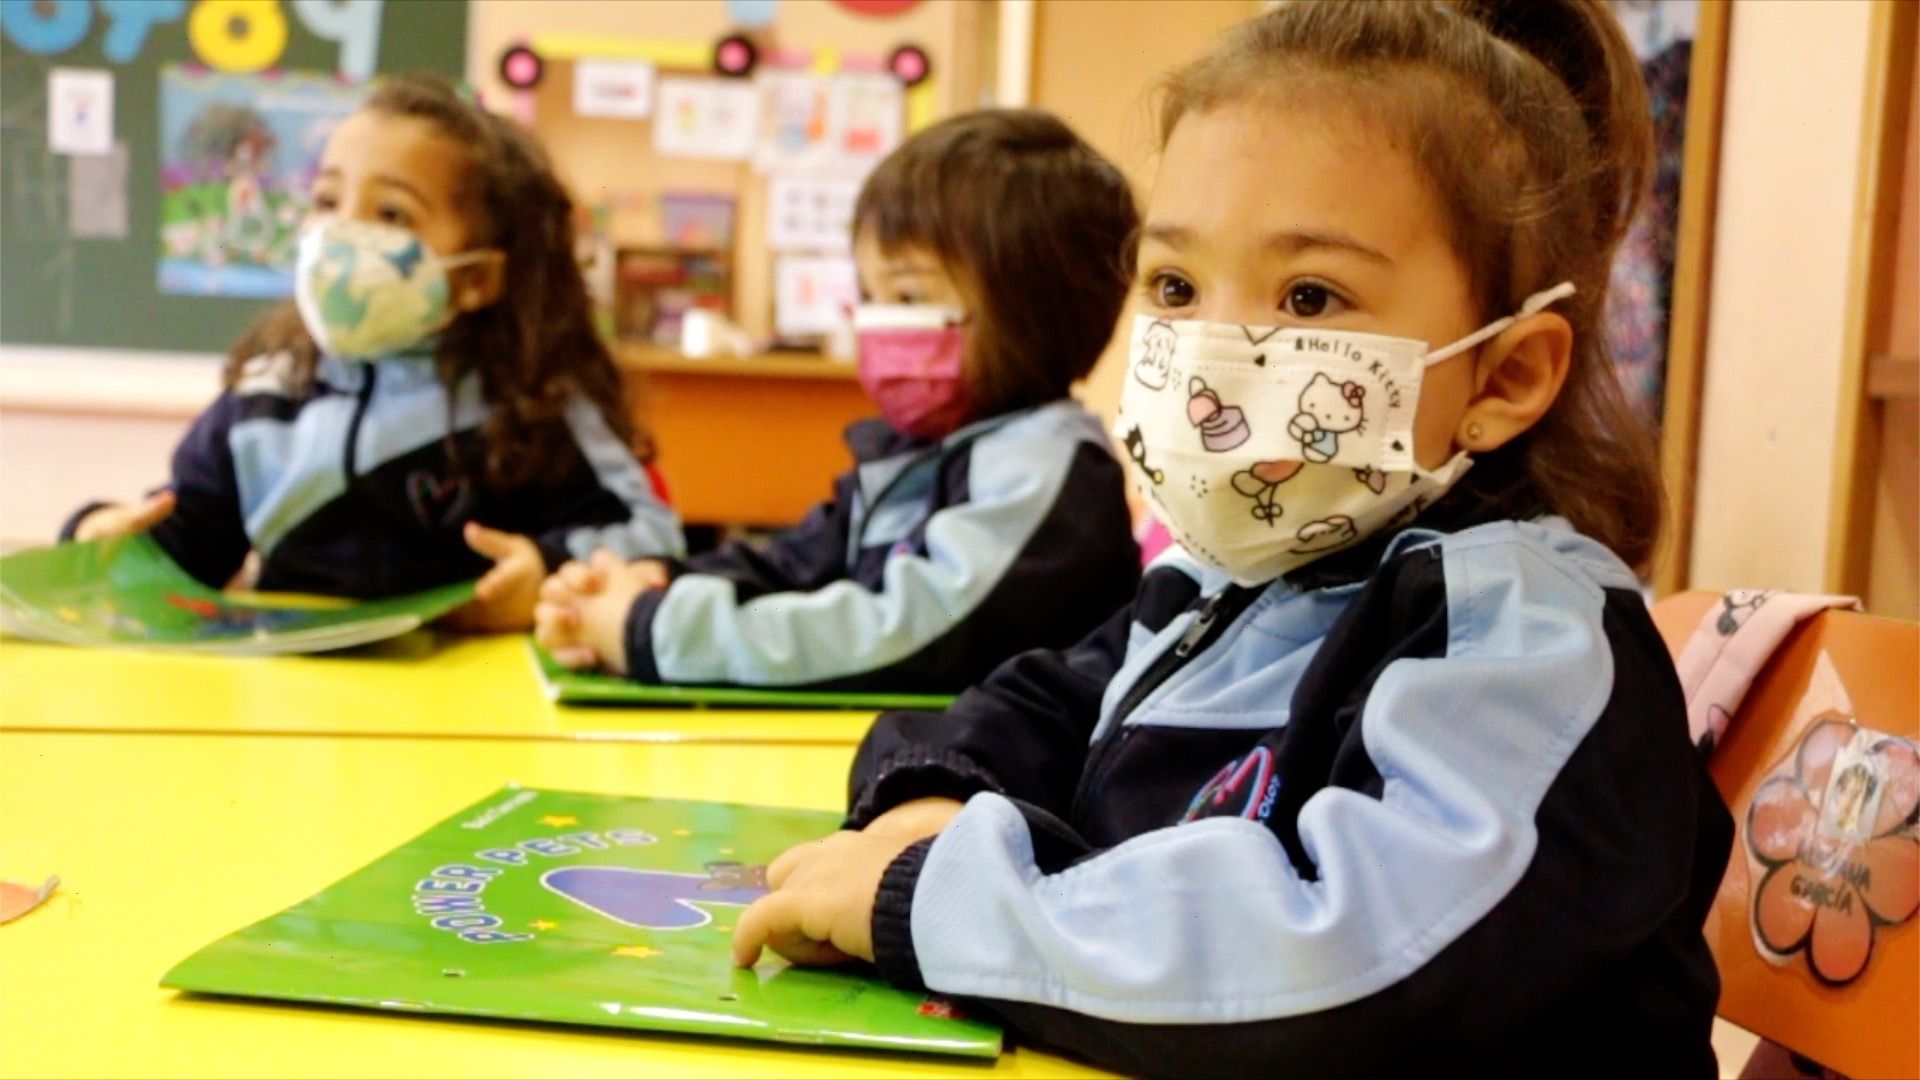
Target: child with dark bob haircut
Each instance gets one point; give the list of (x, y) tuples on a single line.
[(985, 514)]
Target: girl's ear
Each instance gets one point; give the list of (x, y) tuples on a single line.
[(479, 283), (1518, 374)]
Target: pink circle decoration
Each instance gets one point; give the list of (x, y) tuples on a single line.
[(521, 68), (735, 56), (878, 8), (910, 64)]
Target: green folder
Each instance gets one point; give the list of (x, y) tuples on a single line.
[(127, 592), (587, 688), (575, 909)]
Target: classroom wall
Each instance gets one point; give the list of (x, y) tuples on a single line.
[(1094, 64), (1790, 152)]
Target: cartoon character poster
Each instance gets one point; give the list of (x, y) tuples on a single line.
[(575, 908), (238, 154)]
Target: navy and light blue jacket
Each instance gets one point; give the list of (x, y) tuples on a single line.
[(360, 484), (1425, 805), (932, 563)]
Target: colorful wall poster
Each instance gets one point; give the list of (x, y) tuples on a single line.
[(238, 154), (714, 119), (870, 116), (574, 908)]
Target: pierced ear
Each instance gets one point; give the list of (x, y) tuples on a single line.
[(480, 282), (1519, 375)]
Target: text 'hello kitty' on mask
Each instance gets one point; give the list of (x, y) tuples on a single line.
[(1264, 448)]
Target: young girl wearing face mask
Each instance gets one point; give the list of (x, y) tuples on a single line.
[(435, 405), (985, 514), (1385, 769)]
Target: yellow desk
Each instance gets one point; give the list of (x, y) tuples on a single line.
[(420, 686), (164, 843)]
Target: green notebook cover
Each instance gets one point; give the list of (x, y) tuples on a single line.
[(575, 909), (585, 688), (127, 592)]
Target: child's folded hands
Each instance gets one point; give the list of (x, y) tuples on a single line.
[(581, 615)]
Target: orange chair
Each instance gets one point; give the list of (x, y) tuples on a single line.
[(1814, 929)]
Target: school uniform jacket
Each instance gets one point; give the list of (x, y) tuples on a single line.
[(931, 564), (361, 484), (1429, 809)]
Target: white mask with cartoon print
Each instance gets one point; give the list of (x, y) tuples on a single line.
[(1265, 448)]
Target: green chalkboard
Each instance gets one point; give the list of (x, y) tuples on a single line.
[(93, 277)]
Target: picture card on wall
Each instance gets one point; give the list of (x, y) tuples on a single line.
[(619, 89), (79, 111), (810, 213), (870, 113), (714, 119), (798, 116), (812, 293)]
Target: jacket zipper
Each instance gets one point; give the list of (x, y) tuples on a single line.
[(349, 459), (1219, 612)]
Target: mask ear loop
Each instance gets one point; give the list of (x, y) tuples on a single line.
[(1532, 305)]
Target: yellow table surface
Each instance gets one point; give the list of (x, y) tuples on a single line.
[(164, 843), (422, 685)]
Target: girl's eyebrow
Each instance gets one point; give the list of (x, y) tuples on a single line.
[(394, 181), (1288, 242), (1293, 243)]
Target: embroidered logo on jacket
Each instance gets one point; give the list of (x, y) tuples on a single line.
[(1245, 788)]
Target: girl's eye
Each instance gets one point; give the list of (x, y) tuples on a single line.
[(1170, 290), (326, 203), (393, 215), (1308, 300)]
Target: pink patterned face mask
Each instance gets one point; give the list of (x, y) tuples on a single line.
[(913, 365)]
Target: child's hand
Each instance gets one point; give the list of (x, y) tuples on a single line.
[(126, 520), (916, 820), (504, 598), (821, 908), (581, 618)]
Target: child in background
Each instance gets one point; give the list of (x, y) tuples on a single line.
[(434, 406), (1385, 770), (985, 514)]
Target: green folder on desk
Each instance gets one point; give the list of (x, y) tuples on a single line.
[(575, 909), (589, 688), (126, 592)]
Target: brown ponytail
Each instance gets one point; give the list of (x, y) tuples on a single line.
[(1531, 122)]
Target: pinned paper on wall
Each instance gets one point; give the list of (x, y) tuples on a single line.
[(810, 213), (812, 294), (714, 119), (97, 195), (870, 111), (79, 111), (797, 120), (619, 89)]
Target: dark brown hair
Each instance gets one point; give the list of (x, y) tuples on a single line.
[(1530, 120), (1032, 222), (536, 344)]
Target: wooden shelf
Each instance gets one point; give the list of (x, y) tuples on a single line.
[(649, 359)]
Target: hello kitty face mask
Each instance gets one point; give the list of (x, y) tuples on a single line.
[(1265, 448)]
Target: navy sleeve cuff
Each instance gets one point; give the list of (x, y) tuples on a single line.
[(640, 664), (893, 918), (73, 523), (918, 772)]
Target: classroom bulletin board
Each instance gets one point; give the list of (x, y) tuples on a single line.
[(155, 154)]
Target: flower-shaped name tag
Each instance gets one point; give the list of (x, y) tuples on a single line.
[(1833, 833)]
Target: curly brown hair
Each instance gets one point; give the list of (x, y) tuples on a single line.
[(1530, 120), (533, 347)]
